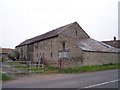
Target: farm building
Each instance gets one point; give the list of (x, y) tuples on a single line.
[(4, 53), (67, 46), (115, 43)]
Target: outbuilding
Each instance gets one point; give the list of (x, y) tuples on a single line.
[(67, 46)]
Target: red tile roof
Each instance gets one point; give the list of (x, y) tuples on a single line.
[(5, 50)]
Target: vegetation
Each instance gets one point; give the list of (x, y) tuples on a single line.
[(77, 69), (90, 68), (49, 69), (14, 55), (25, 67), (4, 77), (81, 69)]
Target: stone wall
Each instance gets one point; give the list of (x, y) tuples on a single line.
[(74, 52), (48, 50), (99, 58), (91, 58), (53, 46), (72, 62)]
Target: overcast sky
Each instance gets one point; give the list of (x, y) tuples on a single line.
[(24, 19)]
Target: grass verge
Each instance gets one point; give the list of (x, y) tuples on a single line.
[(89, 68), (4, 77), (77, 69)]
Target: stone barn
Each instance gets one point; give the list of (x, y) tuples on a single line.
[(67, 46)]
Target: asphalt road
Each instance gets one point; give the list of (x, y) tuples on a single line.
[(100, 79)]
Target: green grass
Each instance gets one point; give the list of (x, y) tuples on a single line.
[(77, 69), (89, 68), (80, 69), (18, 65), (51, 69), (25, 67), (4, 77)]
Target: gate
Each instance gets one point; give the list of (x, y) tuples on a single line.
[(20, 68)]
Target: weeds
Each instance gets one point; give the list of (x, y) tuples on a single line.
[(4, 77)]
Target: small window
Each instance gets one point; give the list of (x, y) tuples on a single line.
[(76, 32), (63, 45), (51, 54)]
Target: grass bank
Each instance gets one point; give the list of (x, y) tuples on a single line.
[(89, 68)]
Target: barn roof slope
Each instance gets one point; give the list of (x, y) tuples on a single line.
[(49, 34), (93, 45)]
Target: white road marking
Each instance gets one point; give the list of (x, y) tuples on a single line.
[(102, 83)]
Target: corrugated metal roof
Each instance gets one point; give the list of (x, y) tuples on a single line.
[(93, 45)]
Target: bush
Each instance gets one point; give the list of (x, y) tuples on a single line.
[(5, 77), (14, 55)]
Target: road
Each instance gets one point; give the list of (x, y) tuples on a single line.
[(99, 79)]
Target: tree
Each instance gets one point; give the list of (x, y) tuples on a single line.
[(14, 55)]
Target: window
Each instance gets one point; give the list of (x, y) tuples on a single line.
[(76, 32), (51, 54), (63, 45)]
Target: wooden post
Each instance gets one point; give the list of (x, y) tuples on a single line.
[(60, 64)]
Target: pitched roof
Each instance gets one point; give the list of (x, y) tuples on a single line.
[(93, 45), (50, 34), (114, 43), (5, 50)]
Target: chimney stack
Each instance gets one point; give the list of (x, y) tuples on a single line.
[(114, 38)]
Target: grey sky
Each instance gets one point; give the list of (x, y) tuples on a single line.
[(24, 19)]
